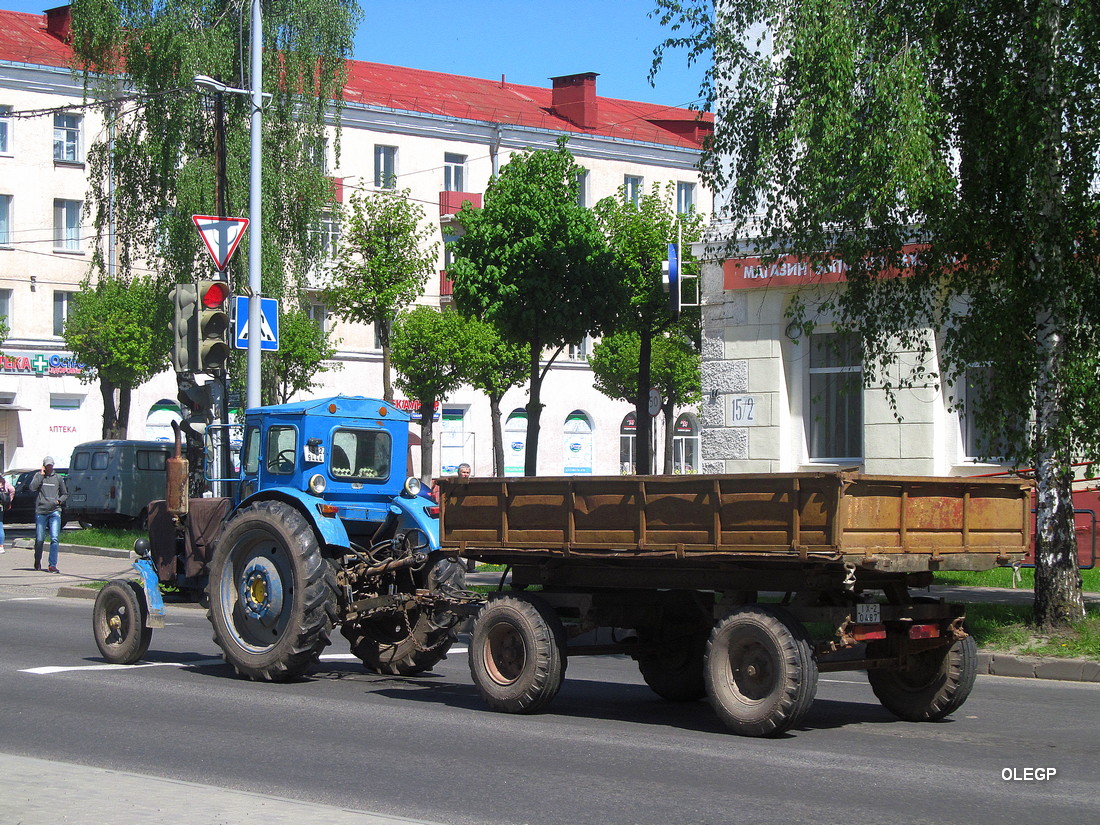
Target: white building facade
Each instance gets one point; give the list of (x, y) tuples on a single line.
[(440, 136)]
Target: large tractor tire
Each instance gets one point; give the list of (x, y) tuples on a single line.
[(935, 684), (517, 654), (272, 593), (119, 619), (408, 643), (760, 671)]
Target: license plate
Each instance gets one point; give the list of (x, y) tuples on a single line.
[(77, 497), (868, 613)]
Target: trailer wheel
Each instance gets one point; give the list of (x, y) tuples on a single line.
[(760, 671), (119, 620), (517, 654), (408, 643), (674, 671), (272, 593), (935, 684)]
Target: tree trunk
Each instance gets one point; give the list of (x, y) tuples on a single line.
[(534, 413), (644, 432), (122, 425), (427, 439), (110, 416), (1058, 599), (384, 339), (669, 410), (498, 434)]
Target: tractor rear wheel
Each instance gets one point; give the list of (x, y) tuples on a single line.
[(272, 593)]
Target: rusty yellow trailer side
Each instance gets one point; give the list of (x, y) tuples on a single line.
[(882, 523)]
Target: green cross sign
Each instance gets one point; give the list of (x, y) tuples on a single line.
[(40, 364)]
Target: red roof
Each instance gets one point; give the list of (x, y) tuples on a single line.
[(25, 39)]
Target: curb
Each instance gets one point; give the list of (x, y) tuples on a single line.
[(78, 549)]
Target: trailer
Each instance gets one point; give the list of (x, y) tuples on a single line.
[(739, 588)]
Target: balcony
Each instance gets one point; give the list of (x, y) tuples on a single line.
[(446, 287), (451, 202)]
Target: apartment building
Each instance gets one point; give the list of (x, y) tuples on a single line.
[(439, 135)]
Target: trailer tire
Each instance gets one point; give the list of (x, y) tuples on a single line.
[(119, 622), (517, 654), (760, 671), (674, 671), (408, 643), (272, 593), (935, 685)]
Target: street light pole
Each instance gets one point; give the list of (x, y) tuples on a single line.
[(255, 216)]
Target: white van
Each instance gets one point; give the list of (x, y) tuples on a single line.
[(112, 482)]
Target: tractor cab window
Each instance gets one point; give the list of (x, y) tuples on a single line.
[(282, 450), (360, 455), (252, 451)]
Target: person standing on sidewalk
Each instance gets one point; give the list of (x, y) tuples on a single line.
[(7, 496), (52, 494)]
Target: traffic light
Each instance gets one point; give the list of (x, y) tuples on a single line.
[(213, 326), (184, 299), (197, 405)]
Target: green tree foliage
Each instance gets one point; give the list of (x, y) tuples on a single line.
[(533, 263), (639, 234), (154, 167), (971, 129), (675, 373), (386, 255), (427, 347), (493, 365), (305, 352), (120, 332)]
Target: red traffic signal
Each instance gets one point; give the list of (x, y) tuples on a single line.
[(214, 293)]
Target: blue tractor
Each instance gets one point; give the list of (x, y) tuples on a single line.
[(327, 528)]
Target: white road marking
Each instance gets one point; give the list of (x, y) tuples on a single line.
[(50, 670)]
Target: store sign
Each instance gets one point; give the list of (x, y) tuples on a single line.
[(413, 408), (38, 363), (796, 270)]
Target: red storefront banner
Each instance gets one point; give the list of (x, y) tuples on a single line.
[(796, 270)]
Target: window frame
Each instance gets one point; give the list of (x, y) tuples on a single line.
[(68, 138), (834, 390), (685, 197), (66, 237), (454, 172), (385, 166), (62, 298), (633, 188), (6, 133), (6, 210)]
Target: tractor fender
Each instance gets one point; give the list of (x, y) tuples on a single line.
[(150, 585), (330, 530), (413, 512)]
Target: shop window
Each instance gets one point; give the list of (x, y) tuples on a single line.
[(834, 423), (628, 444), (515, 442), (577, 444), (685, 445), (456, 446)]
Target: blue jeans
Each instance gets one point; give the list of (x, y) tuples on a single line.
[(42, 522)]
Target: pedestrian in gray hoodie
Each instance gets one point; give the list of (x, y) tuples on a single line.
[(52, 494)]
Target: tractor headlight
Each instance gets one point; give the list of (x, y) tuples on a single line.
[(412, 486), (317, 484)]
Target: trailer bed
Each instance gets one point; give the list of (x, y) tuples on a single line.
[(883, 523)]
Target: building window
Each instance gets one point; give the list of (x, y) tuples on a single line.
[(454, 172), (579, 351), (685, 198), (317, 154), (5, 130), (5, 220), (632, 189), (628, 444), (979, 443), (330, 235), (66, 138), (61, 301), (448, 250), (685, 445), (66, 225), (385, 167), (456, 445), (5, 307), (834, 426), (59, 401), (582, 188), (319, 315)]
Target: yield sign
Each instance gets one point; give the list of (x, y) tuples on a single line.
[(221, 236)]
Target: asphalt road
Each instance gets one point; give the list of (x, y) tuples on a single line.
[(608, 751)]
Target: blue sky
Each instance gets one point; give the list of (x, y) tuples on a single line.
[(528, 41)]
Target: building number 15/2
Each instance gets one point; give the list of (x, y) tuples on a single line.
[(742, 408)]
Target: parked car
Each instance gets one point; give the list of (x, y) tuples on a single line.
[(112, 482), (22, 504)]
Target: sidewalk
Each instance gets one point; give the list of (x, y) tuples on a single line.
[(81, 565)]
